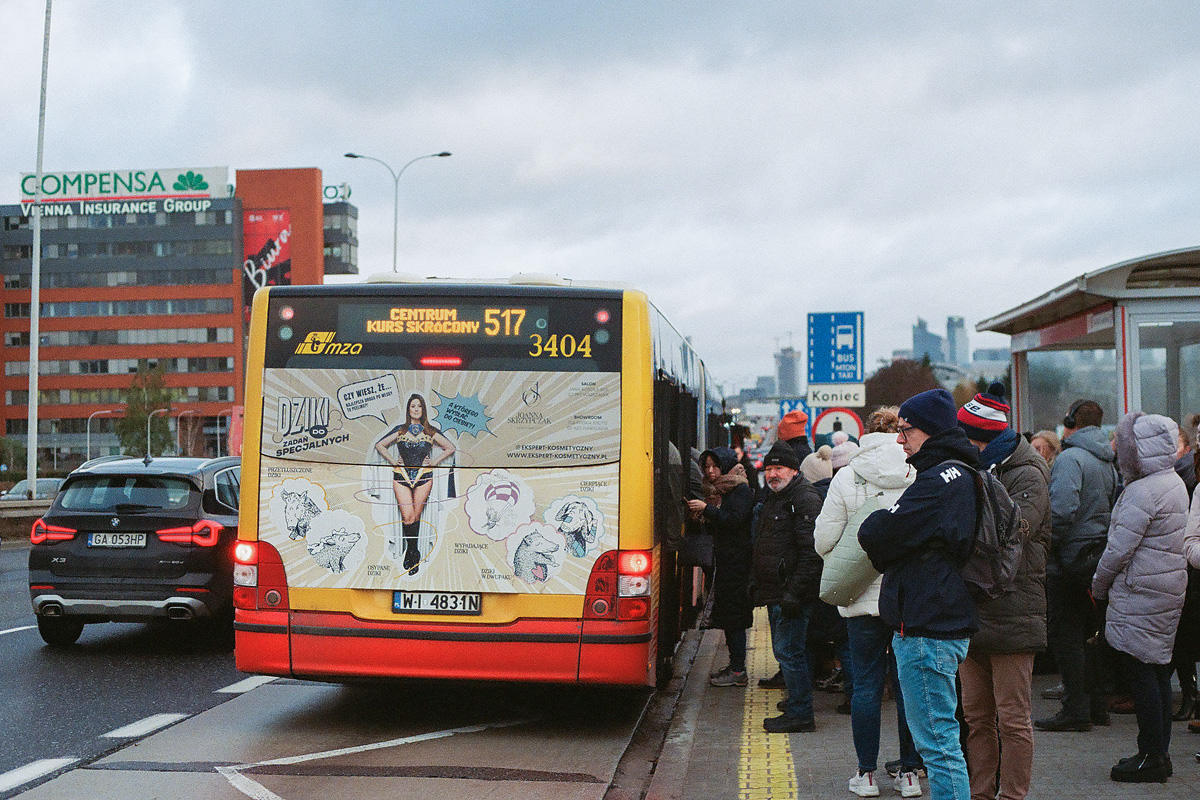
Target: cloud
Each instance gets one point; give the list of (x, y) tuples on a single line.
[(745, 164)]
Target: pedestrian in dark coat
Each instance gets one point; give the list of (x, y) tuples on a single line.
[(1142, 574), (725, 511), (785, 577), (997, 674), (920, 544)]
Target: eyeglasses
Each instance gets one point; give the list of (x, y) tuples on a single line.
[(904, 431)]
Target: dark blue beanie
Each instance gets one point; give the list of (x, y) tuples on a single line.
[(932, 411)]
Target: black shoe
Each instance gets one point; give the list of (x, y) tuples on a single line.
[(1101, 719), (412, 560), (1142, 769), (844, 706), (1061, 722), (894, 768), (786, 724), (773, 682)]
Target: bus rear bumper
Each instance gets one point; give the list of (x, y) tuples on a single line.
[(335, 646)]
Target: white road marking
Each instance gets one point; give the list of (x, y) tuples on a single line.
[(256, 791), (32, 771), (241, 687), (248, 787), (18, 630), (145, 726)]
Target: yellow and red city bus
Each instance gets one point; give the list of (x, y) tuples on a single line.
[(466, 481)]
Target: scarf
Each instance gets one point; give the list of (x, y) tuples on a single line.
[(998, 449), (724, 484)]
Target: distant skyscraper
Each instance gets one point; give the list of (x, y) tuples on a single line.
[(766, 385), (957, 352), (787, 370), (926, 343)]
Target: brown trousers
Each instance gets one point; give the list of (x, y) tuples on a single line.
[(997, 702)]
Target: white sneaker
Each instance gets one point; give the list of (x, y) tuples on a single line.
[(907, 784), (864, 785)]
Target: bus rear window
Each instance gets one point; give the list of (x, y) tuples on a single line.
[(544, 334)]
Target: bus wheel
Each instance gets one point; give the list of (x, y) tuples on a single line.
[(59, 631)]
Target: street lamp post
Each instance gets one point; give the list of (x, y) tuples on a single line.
[(396, 193), (89, 428), (149, 417)]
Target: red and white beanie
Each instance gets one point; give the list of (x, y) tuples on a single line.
[(985, 416)]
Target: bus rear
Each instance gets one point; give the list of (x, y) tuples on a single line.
[(437, 483)]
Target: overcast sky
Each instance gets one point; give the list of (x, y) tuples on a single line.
[(744, 163)]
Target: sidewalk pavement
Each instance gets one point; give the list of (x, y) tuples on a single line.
[(716, 749)]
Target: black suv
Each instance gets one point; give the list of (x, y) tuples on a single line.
[(129, 539)]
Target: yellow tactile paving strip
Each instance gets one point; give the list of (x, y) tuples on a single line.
[(765, 769)]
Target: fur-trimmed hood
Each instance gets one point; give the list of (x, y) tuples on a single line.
[(1146, 444)]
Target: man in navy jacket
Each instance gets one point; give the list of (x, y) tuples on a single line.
[(920, 544)]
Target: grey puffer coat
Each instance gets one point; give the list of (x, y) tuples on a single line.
[(1015, 622), (1142, 572), (1083, 484)]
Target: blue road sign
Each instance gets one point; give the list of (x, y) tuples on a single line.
[(835, 347), (791, 404)]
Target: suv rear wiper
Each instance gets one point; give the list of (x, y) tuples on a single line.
[(131, 507)]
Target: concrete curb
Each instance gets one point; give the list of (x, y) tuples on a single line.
[(670, 773)]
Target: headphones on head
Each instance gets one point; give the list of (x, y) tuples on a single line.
[(1069, 420)]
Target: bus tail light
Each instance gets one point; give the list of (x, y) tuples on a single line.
[(259, 580), (41, 532), (204, 533), (619, 586)]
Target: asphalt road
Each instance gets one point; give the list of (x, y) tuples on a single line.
[(60, 704), (136, 711)]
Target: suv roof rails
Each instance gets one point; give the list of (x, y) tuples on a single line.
[(101, 460)]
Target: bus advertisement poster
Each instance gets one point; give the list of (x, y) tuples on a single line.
[(446, 481)]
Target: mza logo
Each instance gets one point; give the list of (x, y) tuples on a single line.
[(950, 474), (321, 343)]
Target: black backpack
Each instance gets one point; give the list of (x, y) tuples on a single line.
[(1000, 533)]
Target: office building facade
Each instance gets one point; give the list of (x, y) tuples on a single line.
[(152, 267)]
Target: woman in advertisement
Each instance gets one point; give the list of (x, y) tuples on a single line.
[(412, 471)]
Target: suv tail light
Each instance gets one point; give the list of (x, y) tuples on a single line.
[(619, 586), (42, 532), (204, 533), (259, 581)]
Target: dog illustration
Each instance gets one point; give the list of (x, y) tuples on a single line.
[(577, 522), (332, 550), (298, 511), (534, 558)]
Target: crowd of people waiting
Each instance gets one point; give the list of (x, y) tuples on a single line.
[(881, 528)]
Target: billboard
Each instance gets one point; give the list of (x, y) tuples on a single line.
[(128, 184), (266, 253)]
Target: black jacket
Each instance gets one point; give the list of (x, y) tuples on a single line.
[(729, 524), (786, 564), (922, 541)]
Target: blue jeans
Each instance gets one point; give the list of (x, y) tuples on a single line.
[(789, 639), (869, 640), (927, 668)]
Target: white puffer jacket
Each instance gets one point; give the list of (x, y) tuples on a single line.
[(1143, 573), (880, 462)]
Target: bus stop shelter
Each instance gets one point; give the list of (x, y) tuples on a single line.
[(1126, 336)]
